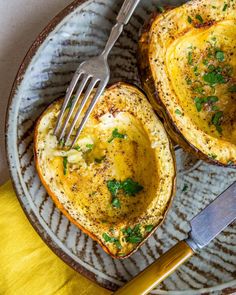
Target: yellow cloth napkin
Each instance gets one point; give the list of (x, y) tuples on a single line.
[(27, 265)]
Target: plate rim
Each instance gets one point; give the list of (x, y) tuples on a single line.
[(41, 37)]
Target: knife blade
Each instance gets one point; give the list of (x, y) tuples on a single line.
[(213, 219), (204, 228)]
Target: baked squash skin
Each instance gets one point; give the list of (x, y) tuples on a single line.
[(184, 44), (123, 150)]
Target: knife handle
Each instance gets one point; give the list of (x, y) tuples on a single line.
[(144, 282)]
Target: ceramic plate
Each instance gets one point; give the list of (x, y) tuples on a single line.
[(77, 33)]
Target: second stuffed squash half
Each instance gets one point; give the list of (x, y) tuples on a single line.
[(187, 59)]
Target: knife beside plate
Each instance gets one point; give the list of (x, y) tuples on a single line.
[(204, 228)]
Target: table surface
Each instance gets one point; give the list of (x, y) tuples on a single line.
[(20, 23)]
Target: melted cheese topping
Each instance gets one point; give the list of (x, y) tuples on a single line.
[(144, 155)]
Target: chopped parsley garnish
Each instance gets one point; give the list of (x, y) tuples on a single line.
[(212, 99), (213, 156), (199, 18), (215, 108), (232, 88), (160, 8), (230, 162), (62, 142), (89, 146), (195, 69), (214, 78), (134, 235), (178, 112), (205, 62), (199, 90), (185, 188), (70, 103), (188, 81), (216, 121), (225, 7), (114, 186), (220, 56), (99, 160), (200, 101), (109, 239), (65, 164), (190, 19), (131, 187), (149, 228), (77, 148), (190, 58), (211, 68), (115, 202), (116, 134)]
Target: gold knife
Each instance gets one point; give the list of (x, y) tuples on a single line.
[(204, 228)]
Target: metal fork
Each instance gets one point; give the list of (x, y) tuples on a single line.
[(95, 73)]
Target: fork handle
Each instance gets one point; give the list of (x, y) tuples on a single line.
[(126, 11), (123, 18)]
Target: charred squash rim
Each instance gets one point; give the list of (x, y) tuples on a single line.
[(65, 212), (148, 85)]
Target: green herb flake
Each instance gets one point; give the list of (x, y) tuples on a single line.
[(199, 18), (109, 239), (198, 103), (178, 112), (70, 103), (115, 203), (116, 134), (190, 58), (212, 99), (134, 235), (230, 162), (214, 78), (89, 146), (62, 142), (161, 9), (99, 160), (211, 68), (188, 81), (149, 228), (220, 56), (214, 7), (130, 187), (190, 19), (199, 90), (106, 237), (216, 121), (215, 108), (213, 156), (77, 148), (113, 186), (225, 7), (232, 88), (205, 62), (65, 165), (185, 188)]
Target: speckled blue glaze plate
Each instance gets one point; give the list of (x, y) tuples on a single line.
[(77, 33)]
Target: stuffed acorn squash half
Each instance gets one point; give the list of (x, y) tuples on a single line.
[(187, 59), (117, 182)]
